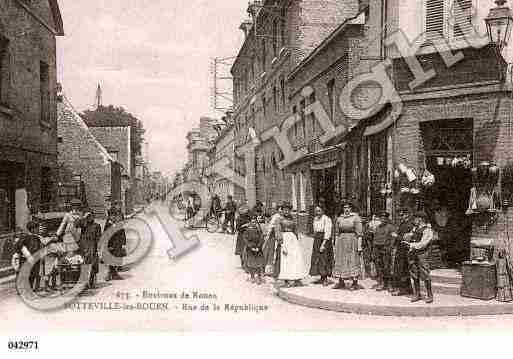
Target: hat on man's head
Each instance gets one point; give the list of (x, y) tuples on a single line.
[(286, 205), (404, 210), (75, 202), (384, 214), (244, 209), (422, 215)]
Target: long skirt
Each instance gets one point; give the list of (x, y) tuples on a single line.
[(347, 259), (254, 260), (239, 244), (321, 263), (293, 265), (400, 269)]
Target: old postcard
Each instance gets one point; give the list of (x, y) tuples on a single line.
[(277, 165)]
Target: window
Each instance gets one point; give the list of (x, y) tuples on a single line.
[(294, 111), (252, 68), (283, 27), (4, 68), (294, 193), (275, 98), (282, 86), (331, 99), (434, 19), (114, 155), (44, 89), (302, 107), (449, 19), (264, 55), (302, 192), (462, 18), (275, 37)]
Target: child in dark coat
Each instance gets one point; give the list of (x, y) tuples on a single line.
[(254, 241)]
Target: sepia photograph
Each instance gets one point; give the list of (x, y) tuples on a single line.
[(255, 166)]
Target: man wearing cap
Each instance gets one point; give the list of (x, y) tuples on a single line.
[(90, 236), (419, 245), (384, 237), (401, 272), (229, 217), (26, 246), (118, 239)]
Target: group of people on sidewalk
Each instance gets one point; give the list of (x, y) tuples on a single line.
[(344, 250), (78, 236)]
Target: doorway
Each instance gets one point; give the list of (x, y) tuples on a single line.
[(325, 189), (449, 157)]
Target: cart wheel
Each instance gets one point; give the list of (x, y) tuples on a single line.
[(212, 225)]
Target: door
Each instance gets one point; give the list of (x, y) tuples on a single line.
[(377, 171)]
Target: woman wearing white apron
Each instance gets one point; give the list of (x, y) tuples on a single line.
[(68, 231), (292, 264)]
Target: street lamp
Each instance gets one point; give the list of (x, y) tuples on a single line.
[(498, 25)]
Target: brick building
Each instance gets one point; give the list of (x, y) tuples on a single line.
[(324, 172), (223, 153), (81, 155), (462, 111), (28, 112), (116, 140), (278, 37), (451, 112)]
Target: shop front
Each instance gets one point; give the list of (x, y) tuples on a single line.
[(327, 182), (448, 150)]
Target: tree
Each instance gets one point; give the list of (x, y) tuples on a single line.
[(110, 116)]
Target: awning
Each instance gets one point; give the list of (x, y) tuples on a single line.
[(323, 157), (323, 166), (386, 122)]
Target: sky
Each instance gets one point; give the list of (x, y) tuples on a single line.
[(153, 57)]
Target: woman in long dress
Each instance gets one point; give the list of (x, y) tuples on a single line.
[(322, 251), (272, 249), (68, 230), (242, 221), (348, 248), (292, 264)]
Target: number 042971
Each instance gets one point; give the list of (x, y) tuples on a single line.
[(22, 345)]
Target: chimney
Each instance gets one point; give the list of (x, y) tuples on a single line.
[(246, 27)]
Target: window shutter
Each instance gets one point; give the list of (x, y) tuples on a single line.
[(462, 12), (434, 19)]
